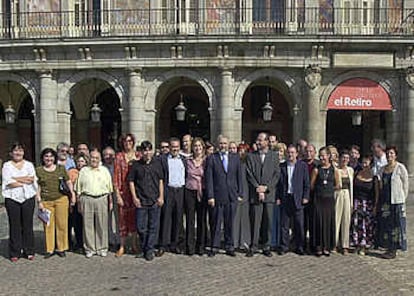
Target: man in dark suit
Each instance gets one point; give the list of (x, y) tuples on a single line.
[(292, 193), (174, 167), (262, 174), (224, 187)]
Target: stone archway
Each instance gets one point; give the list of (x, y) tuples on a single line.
[(84, 95), (194, 98)]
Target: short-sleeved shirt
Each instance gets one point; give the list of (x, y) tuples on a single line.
[(146, 177), (49, 182), (94, 181)]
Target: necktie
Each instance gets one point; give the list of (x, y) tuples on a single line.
[(224, 159)]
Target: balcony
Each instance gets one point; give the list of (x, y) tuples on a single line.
[(208, 22)]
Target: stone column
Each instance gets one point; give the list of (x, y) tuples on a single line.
[(136, 122), (314, 125), (409, 135), (297, 122), (64, 126), (48, 114), (225, 105)]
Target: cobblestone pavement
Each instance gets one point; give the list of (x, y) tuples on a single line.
[(221, 275)]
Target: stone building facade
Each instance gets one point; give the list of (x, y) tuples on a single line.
[(223, 63)]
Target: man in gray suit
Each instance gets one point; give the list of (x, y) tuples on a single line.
[(263, 175)]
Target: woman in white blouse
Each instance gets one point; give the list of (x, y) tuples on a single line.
[(19, 188)]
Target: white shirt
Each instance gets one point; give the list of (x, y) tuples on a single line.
[(176, 171), (378, 163), (23, 193), (290, 170)]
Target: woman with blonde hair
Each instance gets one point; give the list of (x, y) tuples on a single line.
[(193, 198)]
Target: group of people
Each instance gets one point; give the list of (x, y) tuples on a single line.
[(184, 196)]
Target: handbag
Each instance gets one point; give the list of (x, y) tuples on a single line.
[(63, 187)]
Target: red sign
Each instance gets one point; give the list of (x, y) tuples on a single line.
[(359, 94)]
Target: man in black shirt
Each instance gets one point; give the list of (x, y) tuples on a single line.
[(147, 189)]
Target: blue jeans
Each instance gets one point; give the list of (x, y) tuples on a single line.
[(147, 224)]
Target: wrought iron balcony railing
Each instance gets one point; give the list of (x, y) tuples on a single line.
[(208, 21)]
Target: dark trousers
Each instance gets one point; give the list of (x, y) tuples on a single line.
[(308, 224), (203, 235), (223, 213), (173, 218), (261, 216), (288, 212), (276, 226), (75, 221), (190, 201), (21, 236), (147, 225)]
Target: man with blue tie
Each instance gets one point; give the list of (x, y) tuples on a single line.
[(292, 194), (224, 187)]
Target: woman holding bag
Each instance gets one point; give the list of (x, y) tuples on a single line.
[(49, 197)]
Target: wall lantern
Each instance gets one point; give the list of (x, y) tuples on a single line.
[(356, 118), (180, 110), (10, 114), (267, 109), (95, 109)]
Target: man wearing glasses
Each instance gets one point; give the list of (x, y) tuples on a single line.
[(64, 158), (164, 148)]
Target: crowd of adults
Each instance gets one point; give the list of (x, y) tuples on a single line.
[(192, 197)]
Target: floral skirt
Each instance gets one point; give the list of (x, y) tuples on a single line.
[(363, 223)]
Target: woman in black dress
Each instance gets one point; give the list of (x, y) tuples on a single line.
[(324, 182)]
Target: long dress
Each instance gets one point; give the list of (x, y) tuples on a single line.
[(324, 210), (363, 220), (392, 219), (126, 213)]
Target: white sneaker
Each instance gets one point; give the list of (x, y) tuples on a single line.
[(103, 253), (89, 254)]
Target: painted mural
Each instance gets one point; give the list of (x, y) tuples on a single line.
[(220, 11), (131, 11)]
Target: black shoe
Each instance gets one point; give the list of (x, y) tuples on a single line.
[(178, 251), (231, 253), (149, 256), (61, 254), (249, 253), (48, 255), (389, 255), (300, 252), (267, 253), (281, 252), (140, 255), (201, 252), (159, 253), (190, 253), (212, 253)]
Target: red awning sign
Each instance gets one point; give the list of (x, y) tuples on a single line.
[(359, 94)]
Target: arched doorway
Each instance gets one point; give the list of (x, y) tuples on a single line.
[(254, 99), (26, 133), (104, 132), (197, 117), (17, 98), (357, 113)]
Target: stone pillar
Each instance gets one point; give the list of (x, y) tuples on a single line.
[(314, 125), (48, 114), (64, 126), (225, 106), (409, 135), (136, 122), (297, 123)]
